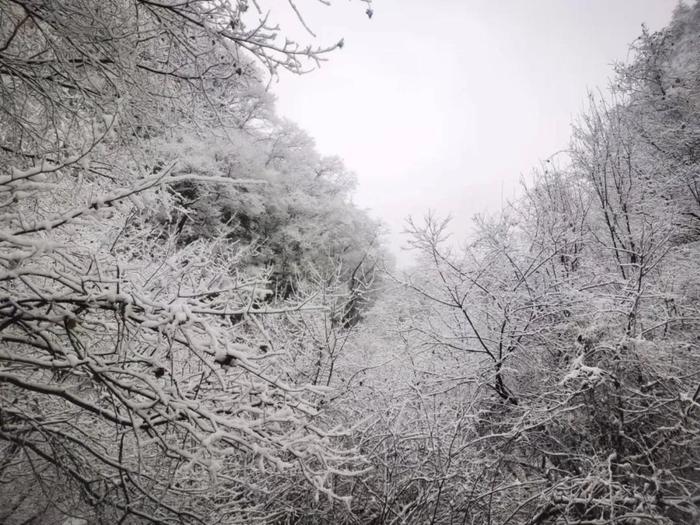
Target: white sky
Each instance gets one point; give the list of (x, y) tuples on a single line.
[(444, 104)]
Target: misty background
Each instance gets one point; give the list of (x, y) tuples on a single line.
[(444, 106)]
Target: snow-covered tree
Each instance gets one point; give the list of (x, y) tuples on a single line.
[(138, 371)]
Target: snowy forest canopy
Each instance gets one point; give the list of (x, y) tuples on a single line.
[(197, 325)]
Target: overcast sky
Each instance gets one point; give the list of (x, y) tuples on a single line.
[(444, 104)]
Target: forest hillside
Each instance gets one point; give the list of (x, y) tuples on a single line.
[(198, 325)]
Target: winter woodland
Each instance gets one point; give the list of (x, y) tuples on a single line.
[(197, 325)]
